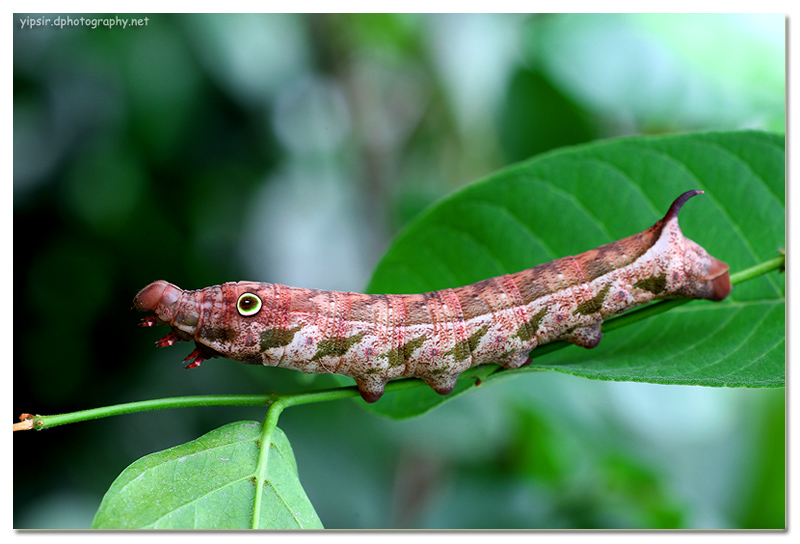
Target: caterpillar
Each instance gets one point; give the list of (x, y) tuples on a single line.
[(436, 336)]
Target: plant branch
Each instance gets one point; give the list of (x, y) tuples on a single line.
[(279, 402), (45, 422)]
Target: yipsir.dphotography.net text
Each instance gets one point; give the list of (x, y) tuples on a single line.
[(66, 21)]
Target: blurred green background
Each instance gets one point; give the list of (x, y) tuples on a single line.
[(290, 149)]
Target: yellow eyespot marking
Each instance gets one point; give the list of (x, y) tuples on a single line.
[(248, 304)]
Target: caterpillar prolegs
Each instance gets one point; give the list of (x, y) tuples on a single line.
[(436, 336)]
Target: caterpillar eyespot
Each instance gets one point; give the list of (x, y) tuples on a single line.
[(436, 336), (248, 304)]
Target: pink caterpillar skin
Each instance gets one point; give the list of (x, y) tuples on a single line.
[(436, 336)]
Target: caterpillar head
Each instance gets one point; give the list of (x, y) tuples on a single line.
[(173, 306), (170, 304)]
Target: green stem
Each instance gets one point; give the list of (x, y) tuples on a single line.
[(44, 422), (270, 423), (778, 263), (279, 402)]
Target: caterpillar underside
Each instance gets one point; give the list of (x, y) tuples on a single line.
[(436, 336)]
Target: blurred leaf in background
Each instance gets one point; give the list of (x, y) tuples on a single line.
[(290, 148)]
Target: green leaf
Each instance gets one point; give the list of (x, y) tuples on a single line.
[(574, 199), (210, 483)]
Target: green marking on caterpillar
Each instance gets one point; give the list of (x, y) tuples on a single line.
[(463, 349), (654, 284), (475, 337), (275, 338), (594, 304), (337, 346), (401, 355), (526, 331)]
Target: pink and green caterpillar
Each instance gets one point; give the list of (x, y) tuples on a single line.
[(438, 335)]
